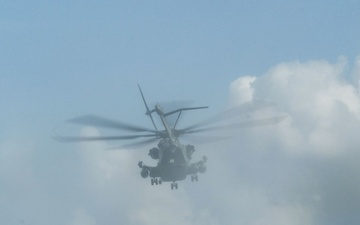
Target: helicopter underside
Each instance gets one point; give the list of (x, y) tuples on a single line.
[(172, 172)]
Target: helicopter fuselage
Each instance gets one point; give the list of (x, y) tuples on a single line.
[(173, 158), (173, 165)]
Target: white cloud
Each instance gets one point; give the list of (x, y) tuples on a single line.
[(356, 74), (103, 165), (241, 90), (285, 215), (319, 136), (321, 103), (82, 217)]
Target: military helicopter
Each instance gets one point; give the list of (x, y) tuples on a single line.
[(174, 160)]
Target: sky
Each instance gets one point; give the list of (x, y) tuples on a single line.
[(63, 59)]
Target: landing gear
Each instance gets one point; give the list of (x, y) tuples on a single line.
[(194, 177), (174, 185), (156, 181), (153, 181)]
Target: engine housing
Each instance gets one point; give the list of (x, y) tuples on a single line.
[(144, 173)]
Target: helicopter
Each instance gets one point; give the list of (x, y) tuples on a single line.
[(174, 159)]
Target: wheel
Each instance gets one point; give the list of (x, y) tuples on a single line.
[(160, 181), (152, 181), (174, 186), (196, 178)]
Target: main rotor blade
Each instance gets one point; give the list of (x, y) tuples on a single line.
[(254, 123), (105, 138), (148, 112), (97, 121), (232, 113), (136, 144), (206, 139)]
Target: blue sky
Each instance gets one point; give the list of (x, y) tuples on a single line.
[(61, 59), (66, 54)]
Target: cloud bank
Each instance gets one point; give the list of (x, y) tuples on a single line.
[(304, 170), (316, 149)]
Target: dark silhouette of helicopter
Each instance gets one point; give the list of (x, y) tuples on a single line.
[(174, 159)]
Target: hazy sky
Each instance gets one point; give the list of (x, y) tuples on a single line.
[(62, 59)]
